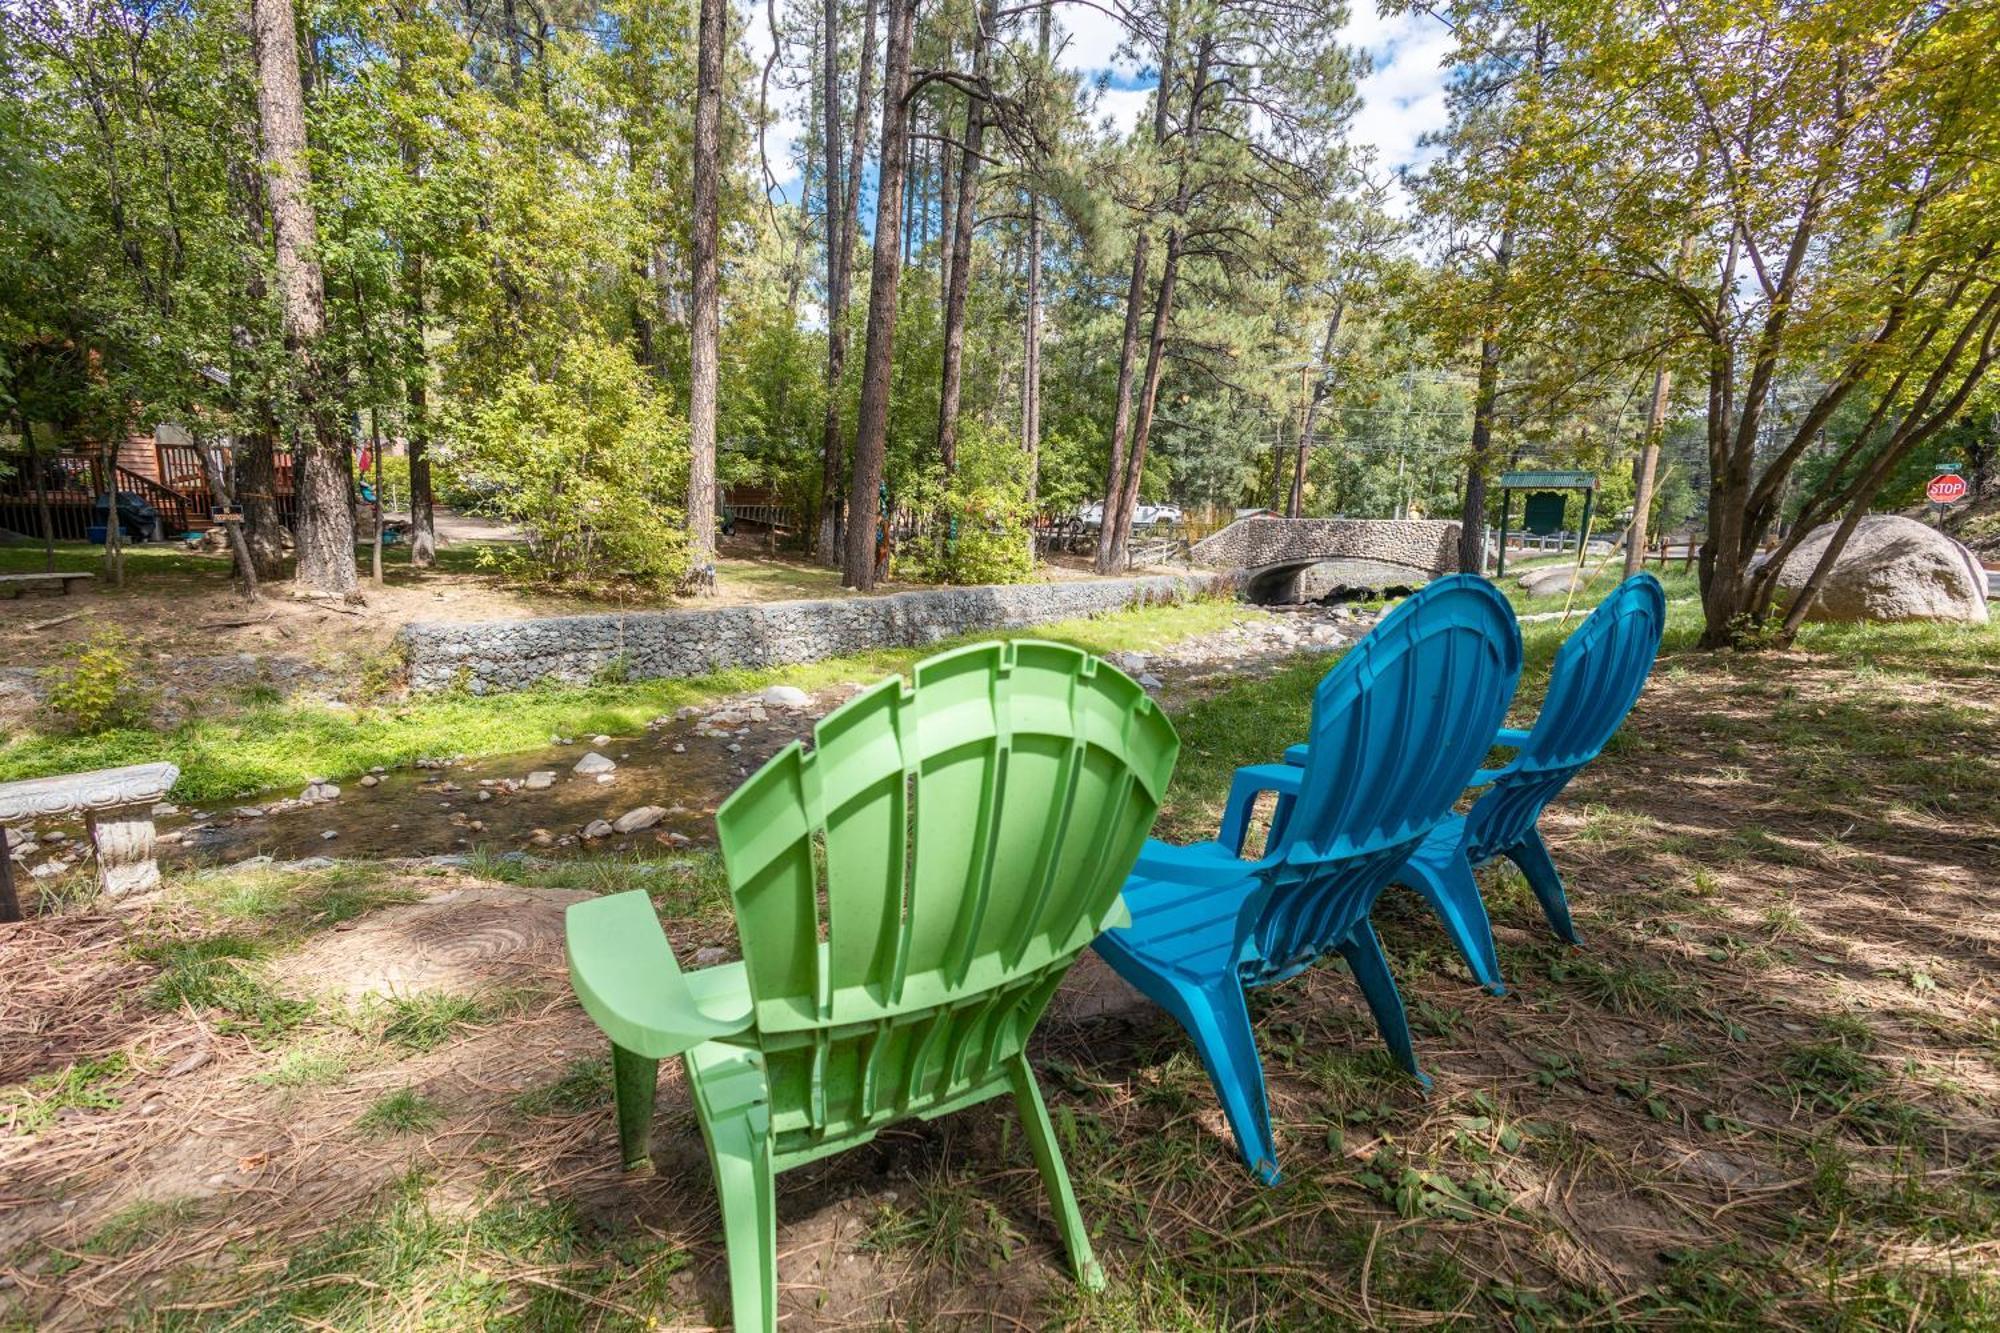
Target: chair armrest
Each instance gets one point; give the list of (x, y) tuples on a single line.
[(1507, 738), (624, 972), (1243, 792), (1295, 755)]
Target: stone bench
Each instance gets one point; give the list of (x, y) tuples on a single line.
[(117, 807), (16, 584)]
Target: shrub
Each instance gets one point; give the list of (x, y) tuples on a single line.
[(590, 460), (98, 689), (989, 539)]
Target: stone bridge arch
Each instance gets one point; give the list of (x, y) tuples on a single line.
[(1281, 559)]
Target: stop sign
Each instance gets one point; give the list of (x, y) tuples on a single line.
[(1945, 489)]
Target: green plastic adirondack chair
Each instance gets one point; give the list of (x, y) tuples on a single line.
[(909, 894)]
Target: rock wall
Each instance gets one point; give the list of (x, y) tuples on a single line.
[(490, 656), (1426, 545)]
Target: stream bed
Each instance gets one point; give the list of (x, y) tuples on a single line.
[(661, 789)]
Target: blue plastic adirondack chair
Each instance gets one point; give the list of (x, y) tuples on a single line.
[(1596, 678), (1398, 726)]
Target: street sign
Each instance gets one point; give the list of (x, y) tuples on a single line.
[(1946, 488)]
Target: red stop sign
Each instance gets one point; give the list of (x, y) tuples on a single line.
[(1945, 488)]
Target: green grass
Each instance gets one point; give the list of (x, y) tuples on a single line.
[(460, 1270), (404, 1111), (222, 974), (85, 1085), (423, 1022), (267, 745)]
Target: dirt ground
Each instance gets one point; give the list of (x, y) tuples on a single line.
[(1767, 1092)]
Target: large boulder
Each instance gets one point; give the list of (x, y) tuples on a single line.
[(1553, 579), (1892, 568)]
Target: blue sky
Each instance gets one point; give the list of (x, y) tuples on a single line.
[(1402, 99)]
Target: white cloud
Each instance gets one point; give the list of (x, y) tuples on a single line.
[(1402, 99)]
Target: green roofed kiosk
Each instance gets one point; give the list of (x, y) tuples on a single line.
[(1544, 508)]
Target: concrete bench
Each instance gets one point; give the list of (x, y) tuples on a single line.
[(117, 808), (16, 584)]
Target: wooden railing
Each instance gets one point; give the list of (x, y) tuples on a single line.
[(72, 482)]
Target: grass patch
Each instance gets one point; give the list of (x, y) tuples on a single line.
[(584, 1086), (424, 1022), (222, 974), (85, 1085), (404, 1111), (518, 1262)]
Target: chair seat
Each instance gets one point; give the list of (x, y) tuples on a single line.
[(1442, 842), (1186, 920)]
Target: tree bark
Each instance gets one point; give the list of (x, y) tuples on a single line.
[(1472, 517), (959, 278), (1135, 293), (1128, 355), (1645, 468), (871, 432), (40, 483), (1119, 526), (1321, 388), (251, 453), (325, 535), (840, 268), (1031, 357), (221, 495), (705, 318)]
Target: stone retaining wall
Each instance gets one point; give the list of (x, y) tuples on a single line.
[(1426, 545), (490, 656)]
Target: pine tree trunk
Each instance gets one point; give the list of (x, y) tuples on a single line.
[(1321, 388), (871, 432), (959, 280), (40, 483), (1128, 355), (1472, 516), (1118, 525), (1109, 558), (325, 528), (840, 268), (1031, 352), (705, 319)]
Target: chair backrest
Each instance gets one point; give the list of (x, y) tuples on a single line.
[(1399, 726), (1595, 679), (910, 892)]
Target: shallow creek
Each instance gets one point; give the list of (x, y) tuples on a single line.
[(674, 774)]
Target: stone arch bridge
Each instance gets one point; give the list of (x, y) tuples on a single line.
[(1293, 559)]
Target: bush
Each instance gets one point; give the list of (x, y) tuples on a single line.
[(990, 540), (590, 460), (99, 689)]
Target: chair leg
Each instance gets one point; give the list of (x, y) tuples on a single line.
[(635, 1078), (1217, 1016), (736, 1120), (1363, 953), (1218, 1019), (1453, 894), (1055, 1176), (1532, 855)]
